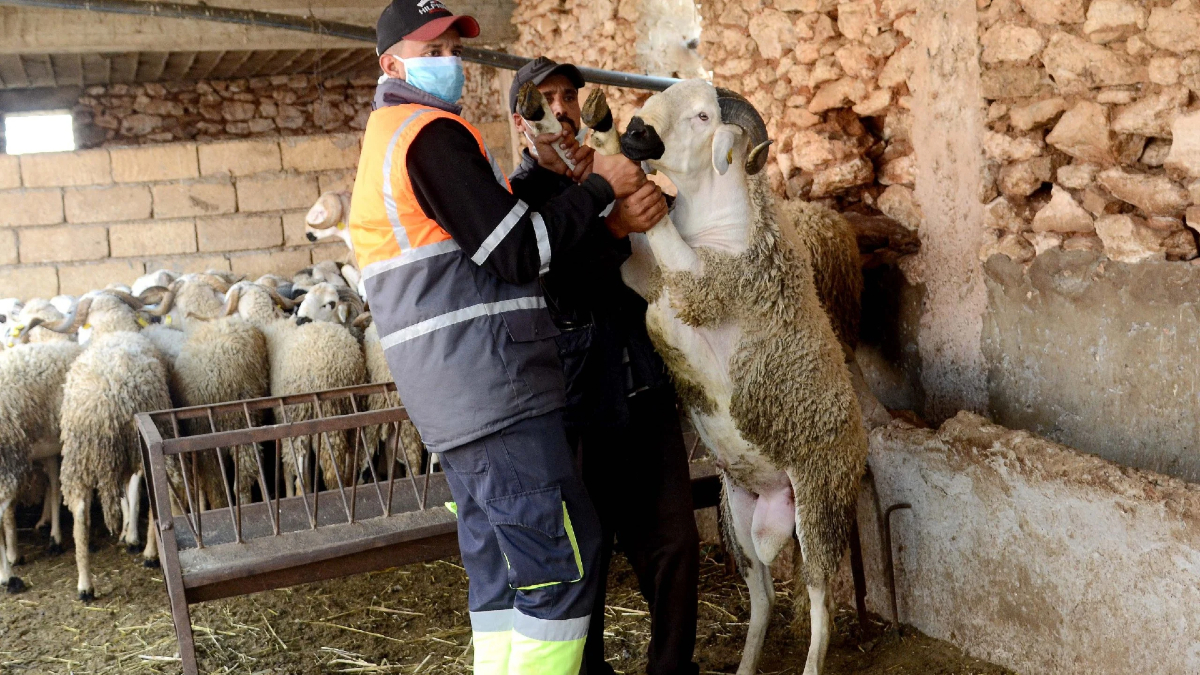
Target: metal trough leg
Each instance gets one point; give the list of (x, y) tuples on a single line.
[(860, 577)]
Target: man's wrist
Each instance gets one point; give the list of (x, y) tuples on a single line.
[(600, 190)]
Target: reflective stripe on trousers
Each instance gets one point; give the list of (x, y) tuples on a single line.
[(529, 540)]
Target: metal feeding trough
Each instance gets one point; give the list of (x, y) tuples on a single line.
[(377, 513)]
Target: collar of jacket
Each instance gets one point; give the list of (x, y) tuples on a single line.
[(393, 91)]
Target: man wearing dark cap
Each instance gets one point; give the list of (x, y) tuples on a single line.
[(451, 259), (620, 403)]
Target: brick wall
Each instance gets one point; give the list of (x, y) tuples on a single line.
[(72, 222)]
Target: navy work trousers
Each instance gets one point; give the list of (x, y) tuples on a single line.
[(530, 542)]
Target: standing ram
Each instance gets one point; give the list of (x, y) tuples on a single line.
[(735, 312), (119, 374)]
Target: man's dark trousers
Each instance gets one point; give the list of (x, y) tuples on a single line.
[(637, 476)]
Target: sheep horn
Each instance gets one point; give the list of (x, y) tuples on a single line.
[(166, 301), (72, 322), (736, 110), (232, 297), (362, 320), (23, 334), (192, 316), (128, 298), (213, 280), (283, 302), (153, 294)]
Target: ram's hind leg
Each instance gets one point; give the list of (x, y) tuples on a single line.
[(54, 502), (737, 517), (133, 498), (81, 510), (11, 583), (820, 558)]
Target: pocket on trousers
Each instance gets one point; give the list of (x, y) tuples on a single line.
[(535, 534), (469, 459)]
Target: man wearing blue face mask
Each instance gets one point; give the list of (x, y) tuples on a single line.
[(451, 260)]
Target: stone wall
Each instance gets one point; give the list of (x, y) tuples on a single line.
[(72, 222), (655, 37), (832, 81), (1094, 136), (295, 105), (1035, 556)]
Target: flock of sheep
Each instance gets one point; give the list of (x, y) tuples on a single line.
[(74, 372)]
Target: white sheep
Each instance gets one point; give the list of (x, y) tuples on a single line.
[(326, 302), (309, 357), (735, 313), (119, 373), (31, 394), (29, 329), (214, 361)]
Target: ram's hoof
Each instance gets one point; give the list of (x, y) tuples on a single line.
[(55, 549), (14, 585), (19, 561), (88, 595), (42, 526), (530, 102), (151, 563), (134, 549), (596, 114)]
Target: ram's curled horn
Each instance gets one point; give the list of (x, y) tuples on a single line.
[(166, 298), (232, 297), (73, 321), (128, 298), (283, 302), (736, 110), (152, 294), (221, 285), (362, 321), (24, 332)]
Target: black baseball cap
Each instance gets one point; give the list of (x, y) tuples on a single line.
[(420, 20), (536, 71)]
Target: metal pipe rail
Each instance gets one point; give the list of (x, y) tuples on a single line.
[(246, 17)]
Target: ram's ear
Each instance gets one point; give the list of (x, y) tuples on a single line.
[(724, 140)]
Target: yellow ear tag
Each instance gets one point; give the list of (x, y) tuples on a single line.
[(87, 326), (143, 322), (167, 320), (341, 226)]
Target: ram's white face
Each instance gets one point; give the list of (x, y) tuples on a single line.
[(679, 132), (322, 303), (329, 218)]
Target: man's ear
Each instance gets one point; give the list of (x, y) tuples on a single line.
[(724, 141), (391, 66)]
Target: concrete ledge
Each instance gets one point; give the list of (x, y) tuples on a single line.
[(1035, 556)]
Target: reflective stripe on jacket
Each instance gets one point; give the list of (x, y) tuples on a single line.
[(470, 353)]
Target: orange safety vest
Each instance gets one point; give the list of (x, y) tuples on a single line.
[(470, 353)]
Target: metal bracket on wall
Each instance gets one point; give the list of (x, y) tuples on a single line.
[(303, 24)]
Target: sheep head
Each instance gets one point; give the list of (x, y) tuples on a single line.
[(330, 302), (693, 125), (329, 217), (260, 305)]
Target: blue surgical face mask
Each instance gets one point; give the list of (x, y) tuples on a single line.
[(441, 76)]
